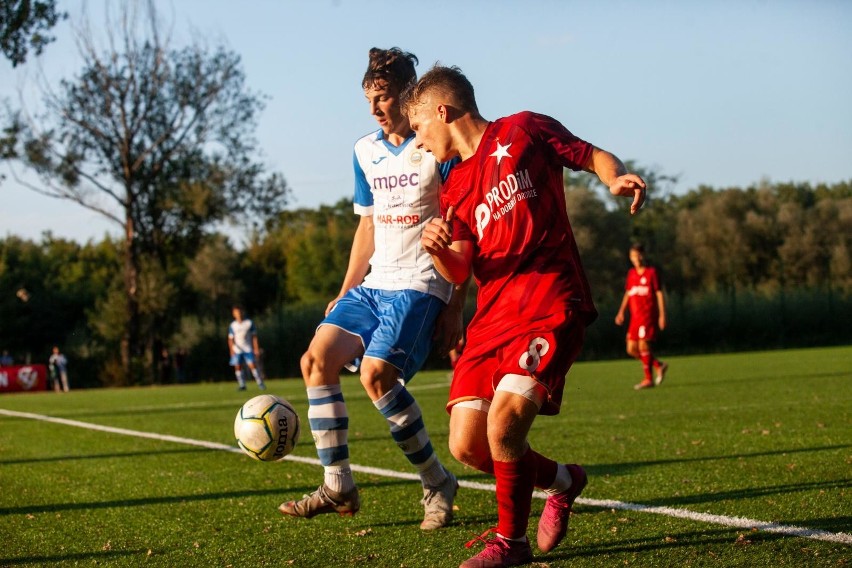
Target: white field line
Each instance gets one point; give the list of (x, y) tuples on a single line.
[(202, 404), (737, 522)]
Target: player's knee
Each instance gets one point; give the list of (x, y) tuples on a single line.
[(309, 364), (467, 457), (468, 453), (377, 379), (370, 381)]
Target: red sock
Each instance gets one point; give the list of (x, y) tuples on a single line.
[(515, 482), (545, 469), (646, 357)]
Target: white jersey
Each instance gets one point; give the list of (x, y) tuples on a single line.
[(242, 332), (59, 361), (399, 187)]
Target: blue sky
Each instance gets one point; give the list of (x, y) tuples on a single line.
[(722, 93)]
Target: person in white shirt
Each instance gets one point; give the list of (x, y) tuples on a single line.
[(58, 365), (243, 346)]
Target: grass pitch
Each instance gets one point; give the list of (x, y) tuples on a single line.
[(763, 436)]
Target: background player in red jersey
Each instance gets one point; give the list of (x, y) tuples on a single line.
[(643, 296), (504, 219)]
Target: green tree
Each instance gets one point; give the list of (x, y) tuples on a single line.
[(602, 236), (48, 289), (25, 26), (604, 228), (817, 236), (710, 244), (214, 275), (315, 246), (158, 140)]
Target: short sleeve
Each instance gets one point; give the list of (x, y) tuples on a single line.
[(363, 195), (570, 151), (656, 284)]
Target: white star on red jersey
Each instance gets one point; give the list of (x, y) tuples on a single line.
[(501, 152)]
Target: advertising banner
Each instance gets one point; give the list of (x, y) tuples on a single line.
[(18, 378)]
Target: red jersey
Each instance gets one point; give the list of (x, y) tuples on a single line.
[(642, 297), (509, 200)]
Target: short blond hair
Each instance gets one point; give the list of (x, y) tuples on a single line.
[(449, 82)]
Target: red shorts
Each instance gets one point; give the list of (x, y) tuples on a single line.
[(641, 331), (544, 353)]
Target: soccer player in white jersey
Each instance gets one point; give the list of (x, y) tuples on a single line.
[(244, 347), (391, 305)]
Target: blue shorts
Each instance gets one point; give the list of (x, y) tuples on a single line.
[(395, 326), (239, 359)]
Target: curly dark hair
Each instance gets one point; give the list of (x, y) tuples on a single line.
[(393, 65)]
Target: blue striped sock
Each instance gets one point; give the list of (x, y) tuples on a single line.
[(408, 431), (329, 421)]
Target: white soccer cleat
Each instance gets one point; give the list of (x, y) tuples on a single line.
[(438, 502), (660, 374)]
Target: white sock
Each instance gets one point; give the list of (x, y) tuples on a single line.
[(519, 539), (562, 481), (434, 475), (339, 478)]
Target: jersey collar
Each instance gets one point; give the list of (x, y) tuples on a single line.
[(395, 150)]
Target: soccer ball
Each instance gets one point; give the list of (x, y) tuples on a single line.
[(267, 428)]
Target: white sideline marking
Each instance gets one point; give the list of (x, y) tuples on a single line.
[(738, 522)]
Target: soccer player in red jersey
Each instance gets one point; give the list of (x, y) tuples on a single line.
[(643, 296), (504, 218)]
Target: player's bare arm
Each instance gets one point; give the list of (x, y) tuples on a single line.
[(437, 236), (454, 262), (452, 258), (661, 305), (619, 317), (612, 172), (449, 326), (363, 246)]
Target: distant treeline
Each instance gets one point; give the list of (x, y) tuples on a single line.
[(757, 268)]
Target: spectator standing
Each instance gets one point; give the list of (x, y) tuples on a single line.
[(58, 365), (180, 365)]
